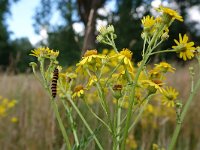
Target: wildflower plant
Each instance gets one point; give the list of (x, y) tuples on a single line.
[(121, 89)]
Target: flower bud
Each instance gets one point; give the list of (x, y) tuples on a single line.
[(117, 88)]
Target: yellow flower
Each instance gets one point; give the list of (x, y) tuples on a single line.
[(89, 56), (92, 80), (148, 21), (44, 52), (78, 91), (185, 49), (170, 13), (154, 73), (169, 96), (2, 111), (152, 86), (125, 55), (156, 147), (131, 142), (11, 104), (14, 120), (164, 67)]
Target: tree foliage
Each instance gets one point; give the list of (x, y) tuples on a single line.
[(126, 17)]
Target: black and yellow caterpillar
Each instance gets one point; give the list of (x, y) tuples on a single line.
[(54, 83)]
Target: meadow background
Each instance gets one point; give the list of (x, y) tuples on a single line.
[(35, 127)]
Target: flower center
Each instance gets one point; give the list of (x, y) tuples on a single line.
[(170, 97), (90, 52), (78, 88), (117, 87)]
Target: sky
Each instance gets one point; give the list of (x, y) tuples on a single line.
[(21, 20)]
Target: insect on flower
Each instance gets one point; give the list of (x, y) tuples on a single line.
[(54, 82)]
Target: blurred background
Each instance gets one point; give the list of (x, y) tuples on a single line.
[(70, 26)]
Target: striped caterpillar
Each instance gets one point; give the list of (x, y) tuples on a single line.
[(54, 83)]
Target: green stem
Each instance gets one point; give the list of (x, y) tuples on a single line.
[(132, 97), (163, 51), (144, 45), (113, 44), (157, 44), (105, 105), (113, 71), (95, 115), (72, 123), (118, 126), (182, 116), (103, 101), (62, 128), (132, 94), (84, 121), (140, 112)]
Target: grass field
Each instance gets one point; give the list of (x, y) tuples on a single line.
[(37, 129)]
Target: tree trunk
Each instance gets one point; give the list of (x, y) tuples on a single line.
[(88, 14)]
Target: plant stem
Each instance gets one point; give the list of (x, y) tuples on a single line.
[(62, 128), (132, 94), (132, 97), (163, 51), (95, 115), (140, 112), (72, 123), (84, 121), (118, 126), (182, 116)]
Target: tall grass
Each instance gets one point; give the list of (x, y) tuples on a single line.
[(36, 127)]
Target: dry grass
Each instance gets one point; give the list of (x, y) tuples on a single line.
[(36, 129)]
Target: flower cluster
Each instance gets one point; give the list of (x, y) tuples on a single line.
[(6, 106), (161, 25), (45, 52)]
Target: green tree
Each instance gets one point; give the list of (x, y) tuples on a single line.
[(6, 48)]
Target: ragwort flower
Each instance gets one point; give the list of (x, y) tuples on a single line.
[(184, 48), (169, 96), (172, 14), (44, 52), (152, 86), (125, 56), (148, 21), (78, 91), (164, 67), (89, 56)]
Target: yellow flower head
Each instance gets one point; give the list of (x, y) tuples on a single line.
[(164, 67), (148, 21), (125, 55), (152, 86), (6, 105), (154, 73), (92, 80), (78, 91), (169, 96), (89, 56), (170, 13), (184, 48), (156, 147), (44, 52), (14, 120), (131, 142)]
